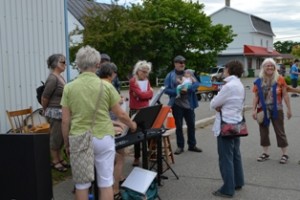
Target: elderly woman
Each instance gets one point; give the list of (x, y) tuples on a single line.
[(52, 109), (269, 91), (229, 101), (78, 108), (140, 92)]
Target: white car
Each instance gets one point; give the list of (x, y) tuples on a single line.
[(216, 73)]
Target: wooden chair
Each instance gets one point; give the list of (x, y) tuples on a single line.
[(17, 120), (40, 123)]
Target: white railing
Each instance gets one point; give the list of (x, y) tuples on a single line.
[(159, 81)]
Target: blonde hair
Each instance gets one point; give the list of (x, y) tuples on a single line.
[(262, 73), (142, 64)]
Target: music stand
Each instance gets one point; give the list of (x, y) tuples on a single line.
[(159, 124), (144, 119)]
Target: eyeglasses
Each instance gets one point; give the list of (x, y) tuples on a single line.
[(181, 62), (145, 72), (63, 62)]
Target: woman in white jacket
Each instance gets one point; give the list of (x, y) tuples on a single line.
[(229, 101)]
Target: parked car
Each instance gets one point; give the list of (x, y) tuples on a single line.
[(216, 73)]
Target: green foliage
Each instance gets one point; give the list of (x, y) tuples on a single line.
[(156, 31), (288, 80), (285, 46), (296, 51)]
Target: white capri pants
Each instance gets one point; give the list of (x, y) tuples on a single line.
[(104, 152)]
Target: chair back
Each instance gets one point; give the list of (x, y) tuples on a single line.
[(18, 120), (40, 125)]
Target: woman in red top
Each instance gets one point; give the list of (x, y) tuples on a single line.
[(140, 92)]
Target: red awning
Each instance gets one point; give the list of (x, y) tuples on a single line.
[(259, 51)]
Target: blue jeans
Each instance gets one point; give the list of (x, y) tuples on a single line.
[(230, 164), (189, 116)]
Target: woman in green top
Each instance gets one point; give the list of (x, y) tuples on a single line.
[(78, 107)]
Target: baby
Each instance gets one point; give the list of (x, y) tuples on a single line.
[(185, 82)]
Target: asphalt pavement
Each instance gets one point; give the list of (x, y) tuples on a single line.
[(199, 173)]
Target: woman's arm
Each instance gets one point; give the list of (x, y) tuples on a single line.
[(287, 102), (123, 116), (65, 126), (45, 102), (134, 87)]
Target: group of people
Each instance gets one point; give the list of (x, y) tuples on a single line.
[(70, 107), (270, 91)]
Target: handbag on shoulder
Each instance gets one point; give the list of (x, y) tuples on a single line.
[(233, 130)]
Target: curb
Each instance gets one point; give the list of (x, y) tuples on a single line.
[(202, 123)]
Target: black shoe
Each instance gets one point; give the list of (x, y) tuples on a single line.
[(195, 149), (219, 194), (178, 151), (238, 187)]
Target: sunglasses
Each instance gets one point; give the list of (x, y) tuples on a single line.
[(63, 62), (180, 62)]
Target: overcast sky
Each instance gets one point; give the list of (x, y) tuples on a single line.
[(284, 15)]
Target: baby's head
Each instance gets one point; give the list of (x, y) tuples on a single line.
[(188, 72)]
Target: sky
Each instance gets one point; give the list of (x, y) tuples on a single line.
[(284, 15)]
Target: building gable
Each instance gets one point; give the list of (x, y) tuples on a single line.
[(80, 8), (259, 25)]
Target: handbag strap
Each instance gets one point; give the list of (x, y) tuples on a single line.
[(97, 104)]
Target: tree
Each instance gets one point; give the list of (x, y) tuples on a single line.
[(296, 50), (285, 46), (157, 30)]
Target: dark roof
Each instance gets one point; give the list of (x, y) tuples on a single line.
[(81, 8), (262, 26)]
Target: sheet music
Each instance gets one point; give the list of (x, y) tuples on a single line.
[(157, 96)]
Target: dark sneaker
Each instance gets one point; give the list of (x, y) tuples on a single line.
[(219, 194), (195, 149), (178, 151), (238, 187)]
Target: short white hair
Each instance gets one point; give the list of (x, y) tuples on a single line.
[(142, 64), (87, 57)]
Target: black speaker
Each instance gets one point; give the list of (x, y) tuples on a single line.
[(25, 172)]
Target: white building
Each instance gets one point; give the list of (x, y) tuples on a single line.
[(254, 40), (30, 31)]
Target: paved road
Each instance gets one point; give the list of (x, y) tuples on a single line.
[(199, 173)]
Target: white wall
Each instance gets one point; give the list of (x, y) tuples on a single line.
[(241, 26), (30, 31)]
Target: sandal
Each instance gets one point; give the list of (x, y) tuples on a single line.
[(65, 164), (263, 157), (58, 167), (117, 196), (284, 159)]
